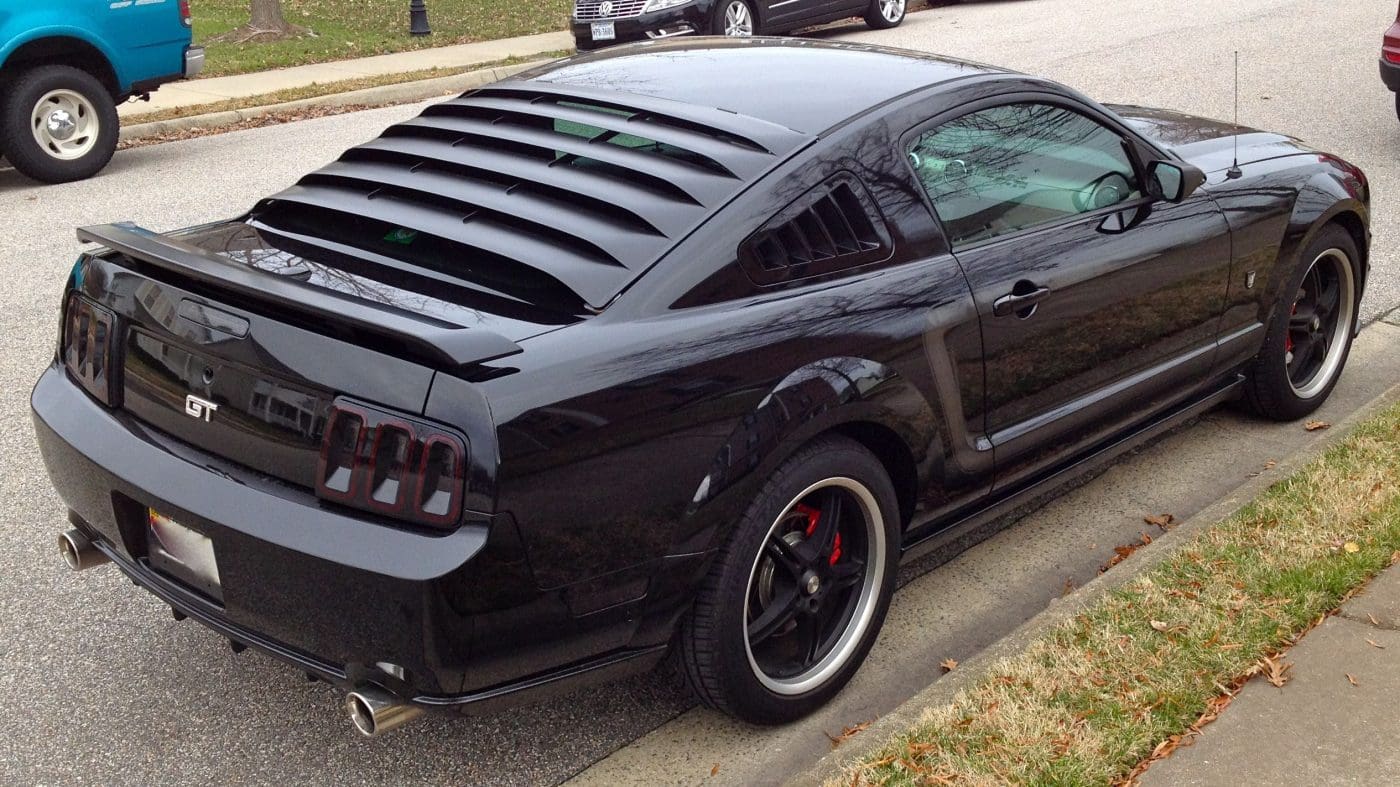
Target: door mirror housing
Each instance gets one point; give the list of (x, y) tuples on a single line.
[(1173, 181)]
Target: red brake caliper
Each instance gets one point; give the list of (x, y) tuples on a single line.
[(1288, 335), (813, 516)]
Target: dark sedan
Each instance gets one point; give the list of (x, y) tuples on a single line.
[(598, 23), (603, 361)]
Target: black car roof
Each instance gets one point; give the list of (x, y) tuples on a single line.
[(559, 187), (803, 84)]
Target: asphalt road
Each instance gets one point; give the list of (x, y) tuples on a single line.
[(99, 685)]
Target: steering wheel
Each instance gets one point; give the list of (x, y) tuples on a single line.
[(1102, 192)]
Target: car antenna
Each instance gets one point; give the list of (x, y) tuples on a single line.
[(1234, 171)]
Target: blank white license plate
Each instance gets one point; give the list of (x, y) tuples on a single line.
[(182, 552), (604, 31)]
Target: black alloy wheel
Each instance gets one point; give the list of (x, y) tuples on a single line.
[(796, 598), (1311, 332)]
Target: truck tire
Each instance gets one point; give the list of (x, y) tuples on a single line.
[(57, 124)]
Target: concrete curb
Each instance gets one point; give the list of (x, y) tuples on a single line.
[(384, 95), (973, 670)]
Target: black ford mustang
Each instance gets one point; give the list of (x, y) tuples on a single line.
[(607, 359)]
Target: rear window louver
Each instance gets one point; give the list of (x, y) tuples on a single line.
[(556, 198), (834, 226)]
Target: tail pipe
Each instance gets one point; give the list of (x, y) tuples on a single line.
[(78, 552), (375, 711)]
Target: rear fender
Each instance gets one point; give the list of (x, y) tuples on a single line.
[(818, 398)]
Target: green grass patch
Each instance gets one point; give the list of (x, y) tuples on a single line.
[(362, 28), (1091, 699)]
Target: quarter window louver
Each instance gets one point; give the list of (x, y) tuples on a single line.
[(833, 227)]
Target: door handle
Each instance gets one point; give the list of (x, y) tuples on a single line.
[(1014, 302)]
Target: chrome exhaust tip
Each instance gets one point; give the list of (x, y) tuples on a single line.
[(375, 711), (78, 552)]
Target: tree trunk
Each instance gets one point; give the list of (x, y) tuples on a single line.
[(267, 16)]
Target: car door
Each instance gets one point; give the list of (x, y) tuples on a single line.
[(782, 14), (1098, 306)]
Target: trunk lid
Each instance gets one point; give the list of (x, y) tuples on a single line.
[(238, 347)]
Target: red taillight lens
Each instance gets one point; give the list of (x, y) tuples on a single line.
[(89, 344), (391, 464), (1390, 44), (185, 13)]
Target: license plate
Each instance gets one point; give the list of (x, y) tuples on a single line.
[(604, 31), (183, 553)]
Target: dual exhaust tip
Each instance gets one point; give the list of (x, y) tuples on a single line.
[(374, 711), (78, 551)]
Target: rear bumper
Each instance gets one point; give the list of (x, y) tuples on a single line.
[(689, 19), (330, 593), (194, 61)]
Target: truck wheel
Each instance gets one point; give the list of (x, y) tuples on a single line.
[(58, 124)]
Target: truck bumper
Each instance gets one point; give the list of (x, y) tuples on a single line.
[(194, 61)]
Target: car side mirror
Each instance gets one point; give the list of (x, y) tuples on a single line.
[(1172, 181)]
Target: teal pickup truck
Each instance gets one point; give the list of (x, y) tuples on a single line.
[(66, 64)]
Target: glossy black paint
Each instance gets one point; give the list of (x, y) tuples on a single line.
[(610, 455), (697, 17)]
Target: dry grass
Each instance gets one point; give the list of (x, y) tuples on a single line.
[(1089, 701)]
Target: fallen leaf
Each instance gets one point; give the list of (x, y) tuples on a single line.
[(1313, 426), (1160, 520), (1374, 622), (948, 665), (1351, 547), (837, 740), (1374, 644), (1275, 671), (1270, 465), (1160, 626), (1068, 587), (1351, 679), (715, 770)]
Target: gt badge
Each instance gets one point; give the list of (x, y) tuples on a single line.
[(196, 407)]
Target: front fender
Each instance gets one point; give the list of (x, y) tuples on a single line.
[(1335, 189)]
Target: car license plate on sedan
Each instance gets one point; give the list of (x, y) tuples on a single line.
[(604, 31), (182, 553)]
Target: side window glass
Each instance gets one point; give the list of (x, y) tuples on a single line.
[(1007, 168)]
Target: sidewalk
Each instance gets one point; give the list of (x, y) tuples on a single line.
[(1320, 728), (208, 91)]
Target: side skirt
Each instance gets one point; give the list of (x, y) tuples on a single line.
[(969, 528)]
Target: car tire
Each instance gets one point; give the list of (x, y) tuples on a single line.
[(83, 134), (1310, 332), (885, 14), (793, 603), (1397, 105), (732, 18)]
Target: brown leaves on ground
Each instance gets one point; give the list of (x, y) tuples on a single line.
[(1275, 670), (714, 771), (1163, 521), (1313, 426), (1374, 644), (1351, 679), (1125, 551), (846, 734), (948, 665)]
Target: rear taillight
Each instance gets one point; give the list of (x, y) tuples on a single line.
[(89, 347), (1390, 44), (391, 464), (185, 13)]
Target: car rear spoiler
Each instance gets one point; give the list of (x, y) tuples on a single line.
[(442, 345)]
